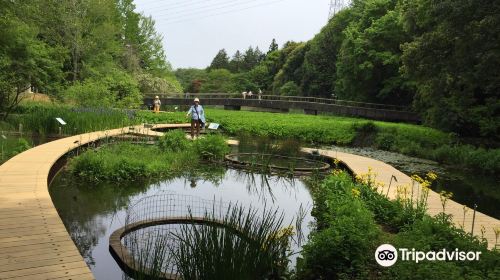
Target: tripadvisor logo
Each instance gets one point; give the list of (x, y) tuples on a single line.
[(386, 255)]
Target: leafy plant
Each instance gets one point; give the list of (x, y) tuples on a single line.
[(212, 147), (174, 141)]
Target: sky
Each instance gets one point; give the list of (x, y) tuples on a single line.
[(195, 30)]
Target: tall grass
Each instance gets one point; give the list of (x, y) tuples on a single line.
[(249, 246), (11, 146), (41, 118), (238, 243)]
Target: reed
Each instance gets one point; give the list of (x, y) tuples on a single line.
[(251, 245), (41, 119)]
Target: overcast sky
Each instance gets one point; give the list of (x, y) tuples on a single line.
[(195, 30)]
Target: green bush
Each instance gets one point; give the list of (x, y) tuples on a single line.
[(212, 147), (346, 236), (116, 90), (126, 161), (174, 141), (12, 147), (123, 161), (290, 89), (347, 231), (90, 94)]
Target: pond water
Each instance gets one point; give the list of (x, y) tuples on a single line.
[(91, 212), (468, 187)]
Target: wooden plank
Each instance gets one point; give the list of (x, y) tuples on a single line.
[(41, 254), (45, 272), (40, 262)]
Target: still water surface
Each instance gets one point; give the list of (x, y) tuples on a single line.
[(92, 212)]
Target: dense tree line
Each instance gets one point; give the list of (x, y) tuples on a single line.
[(93, 52), (440, 57)]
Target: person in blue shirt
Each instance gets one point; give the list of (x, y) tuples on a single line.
[(197, 118)]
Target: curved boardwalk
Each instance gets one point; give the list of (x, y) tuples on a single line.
[(34, 243), (359, 165)]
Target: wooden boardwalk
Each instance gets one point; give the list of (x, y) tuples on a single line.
[(34, 243), (360, 165)]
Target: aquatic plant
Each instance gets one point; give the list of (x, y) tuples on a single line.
[(251, 245), (174, 141), (41, 118), (235, 243), (212, 147), (409, 139)]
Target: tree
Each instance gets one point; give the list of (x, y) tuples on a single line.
[(187, 76), (290, 89), (152, 55), (218, 80), (25, 61), (220, 61), (273, 47), (250, 59), (370, 56), (319, 69), (236, 63), (453, 58)]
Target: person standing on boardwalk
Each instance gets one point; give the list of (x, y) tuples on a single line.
[(157, 104), (197, 118)]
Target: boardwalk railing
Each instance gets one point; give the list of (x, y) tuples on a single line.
[(286, 98)]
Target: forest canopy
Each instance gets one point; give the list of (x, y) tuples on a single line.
[(88, 52), (438, 57)]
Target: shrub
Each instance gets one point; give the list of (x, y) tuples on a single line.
[(212, 147), (344, 212), (90, 94), (290, 89), (347, 232), (174, 141)]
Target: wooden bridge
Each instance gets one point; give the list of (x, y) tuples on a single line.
[(309, 105)]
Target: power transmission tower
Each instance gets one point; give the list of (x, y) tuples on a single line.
[(336, 6)]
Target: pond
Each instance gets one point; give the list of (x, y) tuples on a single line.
[(91, 212)]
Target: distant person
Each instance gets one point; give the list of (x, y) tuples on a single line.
[(250, 94), (260, 94), (157, 104), (197, 118), (244, 94)]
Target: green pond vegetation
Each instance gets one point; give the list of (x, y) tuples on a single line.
[(173, 155), (244, 244), (354, 218), (408, 139)]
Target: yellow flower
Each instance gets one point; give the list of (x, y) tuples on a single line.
[(432, 176), (417, 178), (355, 192)]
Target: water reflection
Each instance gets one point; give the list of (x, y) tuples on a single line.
[(91, 212)]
